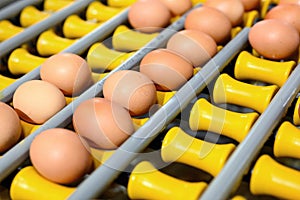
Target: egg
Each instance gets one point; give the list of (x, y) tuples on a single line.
[(286, 12), (10, 127), (132, 90), (210, 21), (67, 71), (36, 101), (289, 2), (274, 39), (149, 16), (251, 4), (196, 46), (177, 7), (102, 123), (167, 69), (233, 9), (60, 155)]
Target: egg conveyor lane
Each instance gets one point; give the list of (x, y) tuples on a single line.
[(164, 115)]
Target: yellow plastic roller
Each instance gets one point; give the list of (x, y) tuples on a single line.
[(100, 58), (125, 39), (29, 184), (272, 178), (178, 146), (249, 67), (55, 5), (146, 182), (8, 30), (250, 17), (31, 15), (5, 81), (75, 27), (20, 61), (296, 118), (49, 43), (120, 3), (97, 11), (164, 96), (287, 141), (205, 116), (28, 128), (229, 90)]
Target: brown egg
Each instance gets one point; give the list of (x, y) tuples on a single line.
[(286, 12), (149, 15), (274, 39), (102, 123), (60, 155), (211, 21), (69, 72), (177, 7), (36, 101), (132, 90), (251, 4), (196, 46), (10, 127), (166, 68), (233, 9), (289, 2)]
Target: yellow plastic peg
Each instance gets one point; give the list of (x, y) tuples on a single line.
[(120, 3), (296, 117), (55, 5), (235, 125), (146, 182), (125, 39), (8, 30), (97, 11), (49, 43), (5, 81), (31, 15), (232, 91), (178, 146), (249, 67), (272, 178)]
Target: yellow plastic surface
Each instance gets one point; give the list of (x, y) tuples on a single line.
[(55, 5), (146, 182), (100, 58), (21, 61), (272, 178), (5, 81), (31, 15), (250, 17), (28, 128), (49, 43), (8, 30), (296, 118), (29, 184), (180, 147), (249, 67), (287, 141), (164, 96), (230, 90), (75, 27), (97, 11), (120, 3), (205, 116), (125, 39)]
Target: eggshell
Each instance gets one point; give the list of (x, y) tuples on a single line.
[(274, 39), (167, 69), (196, 46), (36, 101), (177, 7), (233, 9), (60, 155), (132, 90), (149, 15), (69, 72), (102, 123), (10, 127), (286, 12), (251, 4), (289, 2), (211, 21)]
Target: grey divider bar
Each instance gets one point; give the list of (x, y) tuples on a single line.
[(32, 31), (241, 159), (104, 175), (19, 153), (78, 47), (14, 7)]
